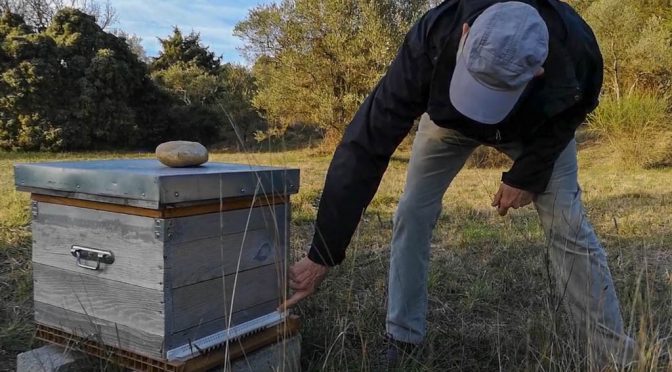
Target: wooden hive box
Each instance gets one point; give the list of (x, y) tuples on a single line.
[(148, 258)]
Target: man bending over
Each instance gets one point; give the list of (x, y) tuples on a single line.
[(519, 76)]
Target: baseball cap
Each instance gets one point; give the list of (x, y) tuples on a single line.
[(506, 45)]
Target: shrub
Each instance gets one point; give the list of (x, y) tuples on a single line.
[(634, 38), (636, 127)]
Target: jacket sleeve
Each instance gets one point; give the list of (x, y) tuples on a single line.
[(360, 160), (533, 168)]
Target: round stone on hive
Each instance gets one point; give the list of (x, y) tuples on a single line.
[(182, 154)]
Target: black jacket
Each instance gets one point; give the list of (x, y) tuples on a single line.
[(418, 81)]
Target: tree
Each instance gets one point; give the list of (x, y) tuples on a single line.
[(135, 44), (221, 93), (190, 83), (316, 60), (635, 41), (238, 90), (74, 86), (99, 76), (39, 13), (180, 49), (402, 12), (71, 86), (188, 72), (28, 82)]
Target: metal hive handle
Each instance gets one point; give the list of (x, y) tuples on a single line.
[(91, 254)]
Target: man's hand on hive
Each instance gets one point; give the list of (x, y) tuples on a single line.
[(511, 197), (304, 278)]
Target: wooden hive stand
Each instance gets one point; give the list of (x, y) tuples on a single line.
[(205, 361)]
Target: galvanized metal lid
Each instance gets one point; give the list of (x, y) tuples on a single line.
[(150, 184)]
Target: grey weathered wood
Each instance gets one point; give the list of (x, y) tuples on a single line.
[(125, 303), (90, 197), (204, 259), (137, 252), (196, 332), (147, 179), (205, 301), (113, 334), (210, 225), (129, 305)]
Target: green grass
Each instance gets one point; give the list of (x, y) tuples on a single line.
[(636, 127), (491, 305)]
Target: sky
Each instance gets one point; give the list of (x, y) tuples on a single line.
[(213, 19)]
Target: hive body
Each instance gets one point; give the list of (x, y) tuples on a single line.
[(194, 251)]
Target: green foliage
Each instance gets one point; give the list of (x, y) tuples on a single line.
[(67, 87), (38, 14), (75, 86), (651, 54), (238, 90), (636, 127), (28, 81), (190, 83), (13, 23), (100, 74), (316, 60), (401, 12), (134, 44), (105, 96), (635, 38), (178, 49), (210, 95)]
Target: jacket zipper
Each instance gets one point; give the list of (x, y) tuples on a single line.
[(498, 136)]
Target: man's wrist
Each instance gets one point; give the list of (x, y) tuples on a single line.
[(510, 181), (315, 256)]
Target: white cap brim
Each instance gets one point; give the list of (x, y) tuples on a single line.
[(477, 101)]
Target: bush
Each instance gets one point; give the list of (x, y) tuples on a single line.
[(634, 38), (636, 128)]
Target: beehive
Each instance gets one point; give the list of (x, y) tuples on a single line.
[(148, 258)]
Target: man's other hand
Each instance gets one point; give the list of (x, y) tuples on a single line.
[(511, 197), (304, 278)]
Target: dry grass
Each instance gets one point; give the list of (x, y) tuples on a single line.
[(489, 292), (636, 127)]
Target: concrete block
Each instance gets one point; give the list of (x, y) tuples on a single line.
[(281, 357), (50, 358)]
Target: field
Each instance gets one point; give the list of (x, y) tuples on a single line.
[(492, 306)]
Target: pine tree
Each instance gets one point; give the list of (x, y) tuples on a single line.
[(187, 50)]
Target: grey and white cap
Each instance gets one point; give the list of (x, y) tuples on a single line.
[(505, 47)]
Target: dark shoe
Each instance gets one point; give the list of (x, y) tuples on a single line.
[(398, 353)]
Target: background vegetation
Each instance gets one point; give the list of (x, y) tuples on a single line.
[(72, 85), (70, 81), (635, 38), (316, 60)]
